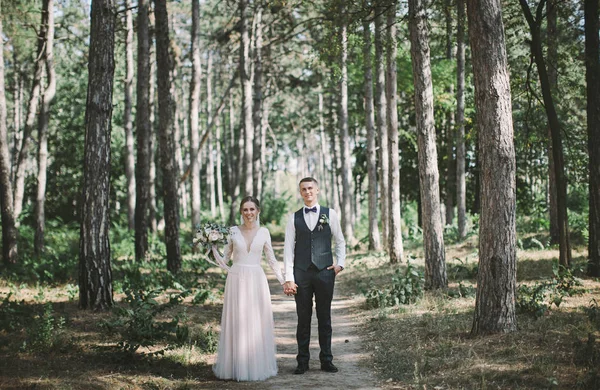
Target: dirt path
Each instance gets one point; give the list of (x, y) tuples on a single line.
[(349, 354)]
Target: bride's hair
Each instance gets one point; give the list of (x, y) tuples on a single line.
[(256, 202)]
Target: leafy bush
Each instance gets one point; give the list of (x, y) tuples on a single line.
[(208, 340), (463, 270), (274, 208), (13, 314), (538, 298), (139, 327), (45, 331), (406, 288)]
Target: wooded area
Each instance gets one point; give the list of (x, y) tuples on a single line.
[(430, 126)]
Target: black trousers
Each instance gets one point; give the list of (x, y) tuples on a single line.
[(319, 284)]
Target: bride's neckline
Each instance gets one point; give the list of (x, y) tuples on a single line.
[(248, 246)]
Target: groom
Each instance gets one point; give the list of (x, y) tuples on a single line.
[(310, 271)]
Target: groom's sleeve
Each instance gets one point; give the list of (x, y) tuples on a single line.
[(288, 249)]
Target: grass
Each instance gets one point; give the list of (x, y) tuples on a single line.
[(428, 344)]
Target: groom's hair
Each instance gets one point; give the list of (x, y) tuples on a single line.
[(309, 179)]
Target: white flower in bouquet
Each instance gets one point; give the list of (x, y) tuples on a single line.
[(215, 236)]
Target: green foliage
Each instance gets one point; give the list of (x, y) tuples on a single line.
[(45, 331), (138, 325), (274, 208), (208, 340), (462, 270), (406, 287), (593, 313), (537, 299), (463, 291), (13, 315)]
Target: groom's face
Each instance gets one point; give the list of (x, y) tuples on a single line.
[(309, 191)]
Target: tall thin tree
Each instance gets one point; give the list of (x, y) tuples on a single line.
[(461, 186), (128, 151), (497, 276), (396, 246), (246, 81), (257, 101), (170, 175), (592, 64), (433, 237), (143, 116), (374, 242), (552, 53), (9, 231), (194, 112), (535, 25), (43, 122), (95, 274)]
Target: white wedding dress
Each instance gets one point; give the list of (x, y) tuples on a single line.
[(247, 349)]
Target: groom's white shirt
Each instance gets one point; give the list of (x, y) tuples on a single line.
[(311, 220)]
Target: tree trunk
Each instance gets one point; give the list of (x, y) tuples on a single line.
[(381, 123), (552, 37), (246, 81), (127, 122), (325, 163), (257, 102), (346, 171), (557, 152), (450, 162), (592, 64), (433, 237), (210, 169), (236, 157), (496, 279), (95, 274), (374, 243), (461, 186), (396, 248), (17, 115), (9, 231), (32, 107), (194, 113), (218, 165), (44, 118), (143, 133), (170, 176), (153, 213)]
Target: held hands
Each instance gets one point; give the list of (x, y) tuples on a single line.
[(290, 288)]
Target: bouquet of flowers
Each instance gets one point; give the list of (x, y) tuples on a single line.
[(209, 234)]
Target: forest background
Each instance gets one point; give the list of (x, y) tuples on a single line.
[(124, 125)]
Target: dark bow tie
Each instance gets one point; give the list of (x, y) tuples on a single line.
[(310, 210)]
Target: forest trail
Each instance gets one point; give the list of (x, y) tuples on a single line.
[(349, 354)]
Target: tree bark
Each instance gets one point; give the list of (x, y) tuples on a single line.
[(496, 279), (127, 121), (433, 237), (592, 64), (143, 133), (381, 122), (194, 112), (246, 81), (552, 37), (396, 247), (210, 169), (557, 151), (346, 171), (95, 274), (9, 231), (461, 186), (43, 121), (450, 136), (170, 176), (374, 243)]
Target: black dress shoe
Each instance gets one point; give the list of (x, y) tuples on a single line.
[(328, 367), (301, 369)]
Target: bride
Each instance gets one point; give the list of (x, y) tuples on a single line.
[(247, 349)]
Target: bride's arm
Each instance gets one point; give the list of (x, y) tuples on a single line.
[(273, 263), (224, 259)]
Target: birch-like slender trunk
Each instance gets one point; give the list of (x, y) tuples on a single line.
[(374, 243), (9, 230), (461, 186), (552, 41), (346, 171), (43, 122), (257, 102), (210, 169), (153, 148), (396, 246), (433, 237), (381, 123), (194, 114), (450, 136), (246, 81)]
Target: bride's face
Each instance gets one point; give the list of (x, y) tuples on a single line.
[(249, 212)]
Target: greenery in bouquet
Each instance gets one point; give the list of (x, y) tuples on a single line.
[(209, 234)]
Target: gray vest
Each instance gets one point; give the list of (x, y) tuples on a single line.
[(312, 246)]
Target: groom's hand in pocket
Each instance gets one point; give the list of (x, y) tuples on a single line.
[(336, 268)]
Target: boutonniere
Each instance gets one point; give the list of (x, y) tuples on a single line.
[(323, 220)]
